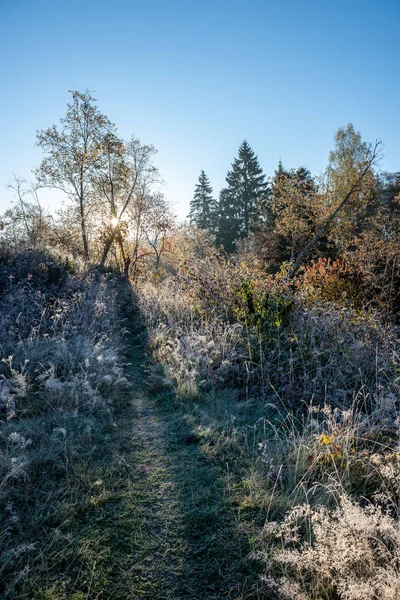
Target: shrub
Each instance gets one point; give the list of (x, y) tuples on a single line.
[(336, 281), (61, 372), (361, 281), (349, 553)]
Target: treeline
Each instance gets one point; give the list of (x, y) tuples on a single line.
[(347, 220), (350, 211)]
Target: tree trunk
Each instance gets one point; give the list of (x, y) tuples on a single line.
[(84, 239), (125, 259), (83, 222), (106, 249)]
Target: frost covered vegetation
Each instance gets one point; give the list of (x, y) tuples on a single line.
[(298, 399), (252, 448), (60, 345)]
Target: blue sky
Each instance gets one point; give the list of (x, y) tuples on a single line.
[(196, 78)]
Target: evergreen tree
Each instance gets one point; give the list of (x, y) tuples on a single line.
[(267, 215), (203, 207), (240, 200), (228, 229)]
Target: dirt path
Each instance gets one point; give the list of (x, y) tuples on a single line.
[(160, 527)]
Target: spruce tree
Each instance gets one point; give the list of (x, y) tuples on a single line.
[(240, 200), (228, 227), (203, 207)]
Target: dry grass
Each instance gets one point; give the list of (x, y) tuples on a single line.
[(293, 422), (305, 419)]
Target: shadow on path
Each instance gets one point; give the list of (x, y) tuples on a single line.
[(159, 527)]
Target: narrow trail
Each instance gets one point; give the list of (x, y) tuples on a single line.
[(164, 529)]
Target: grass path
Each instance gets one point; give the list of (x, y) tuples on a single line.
[(159, 525)]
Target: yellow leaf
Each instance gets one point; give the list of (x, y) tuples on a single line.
[(324, 439)]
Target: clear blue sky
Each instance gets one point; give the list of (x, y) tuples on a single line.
[(195, 78)]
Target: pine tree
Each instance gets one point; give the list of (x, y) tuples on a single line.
[(203, 207), (239, 202)]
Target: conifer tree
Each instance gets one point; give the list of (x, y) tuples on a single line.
[(240, 200), (228, 228), (203, 207)]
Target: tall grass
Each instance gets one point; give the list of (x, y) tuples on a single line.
[(304, 417)]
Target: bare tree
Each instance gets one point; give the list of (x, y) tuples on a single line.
[(125, 181), (156, 224), (26, 220)]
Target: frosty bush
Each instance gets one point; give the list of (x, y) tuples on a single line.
[(350, 553)]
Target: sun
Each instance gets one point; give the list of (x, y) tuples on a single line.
[(114, 221)]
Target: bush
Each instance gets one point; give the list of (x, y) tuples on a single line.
[(361, 281), (336, 281), (349, 553)]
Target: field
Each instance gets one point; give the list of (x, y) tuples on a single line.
[(153, 446)]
